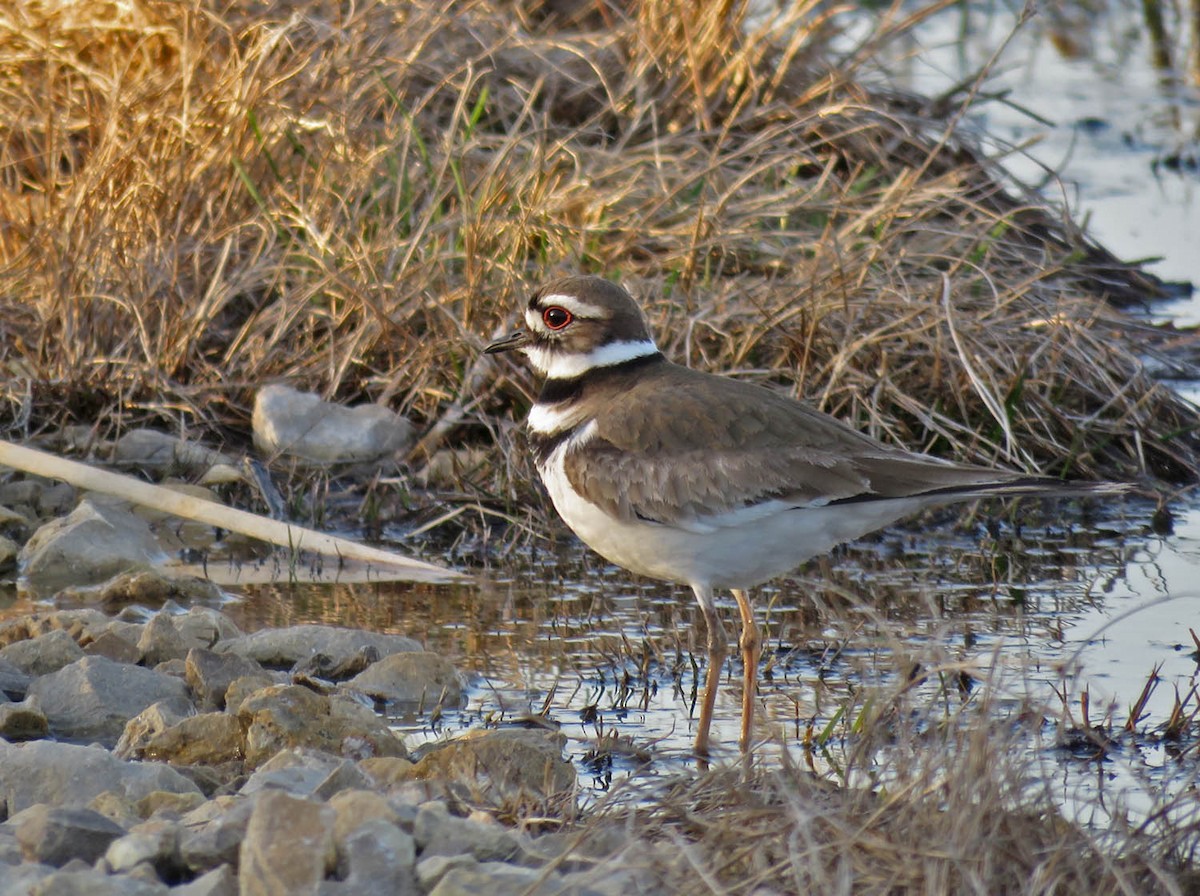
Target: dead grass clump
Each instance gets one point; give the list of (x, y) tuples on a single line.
[(202, 198), (932, 803)]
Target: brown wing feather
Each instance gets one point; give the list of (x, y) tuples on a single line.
[(757, 445)]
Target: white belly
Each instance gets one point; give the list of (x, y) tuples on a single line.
[(738, 550)]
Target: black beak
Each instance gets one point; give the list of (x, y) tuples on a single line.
[(508, 343)]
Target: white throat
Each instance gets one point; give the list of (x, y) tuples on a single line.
[(558, 366)]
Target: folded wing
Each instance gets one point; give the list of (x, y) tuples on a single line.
[(758, 448)]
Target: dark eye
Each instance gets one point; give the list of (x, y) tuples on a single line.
[(556, 318)]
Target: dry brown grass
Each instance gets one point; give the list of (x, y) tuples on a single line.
[(201, 198), (940, 796)]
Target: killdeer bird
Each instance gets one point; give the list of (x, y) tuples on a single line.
[(704, 480)]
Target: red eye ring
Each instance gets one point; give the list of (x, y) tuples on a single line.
[(556, 317)]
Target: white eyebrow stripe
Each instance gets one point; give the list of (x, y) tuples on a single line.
[(558, 366), (574, 304)]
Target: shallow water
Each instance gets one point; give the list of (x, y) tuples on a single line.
[(1053, 595), (1038, 600), (1115, 138)]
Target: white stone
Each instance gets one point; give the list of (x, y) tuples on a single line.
[(303, 425)]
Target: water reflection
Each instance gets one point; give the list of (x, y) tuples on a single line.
[(1098, 125), (1057, 601)]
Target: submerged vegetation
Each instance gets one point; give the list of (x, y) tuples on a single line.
[(200, 198)]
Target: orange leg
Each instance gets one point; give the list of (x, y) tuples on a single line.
[(751, 646), (717, 651)]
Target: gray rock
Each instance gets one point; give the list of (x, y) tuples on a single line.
[(21, 491), (432, 869), (449, 467), (144, 588), (77, 623), (210, 674), (173, 668), (53, 835), (210, 738), (129, 629), (68, 775), (298, 771), (611, 879), (376, 859), (112, 645), (425, 677), (283, 716), (95, 883), (221, 881), (161, 641), (386, 772), (212, 834), (203, 627), (43, 654), (501, 879), (303, 425), (142, 728), (56, 499), (23, 721), (93, 543), (437, 832), (93, 698), (151, 449), (506, 764), (154, 843), (14, 683), (347, 776), (21, 879), (288, 847), (166, 805), (283, 648), (241, 688), (322, 667), (355, 807), (9, 550), (10, 849), (14, 526)]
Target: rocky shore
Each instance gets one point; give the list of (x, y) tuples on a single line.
[(149, 746), (172, 753)]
